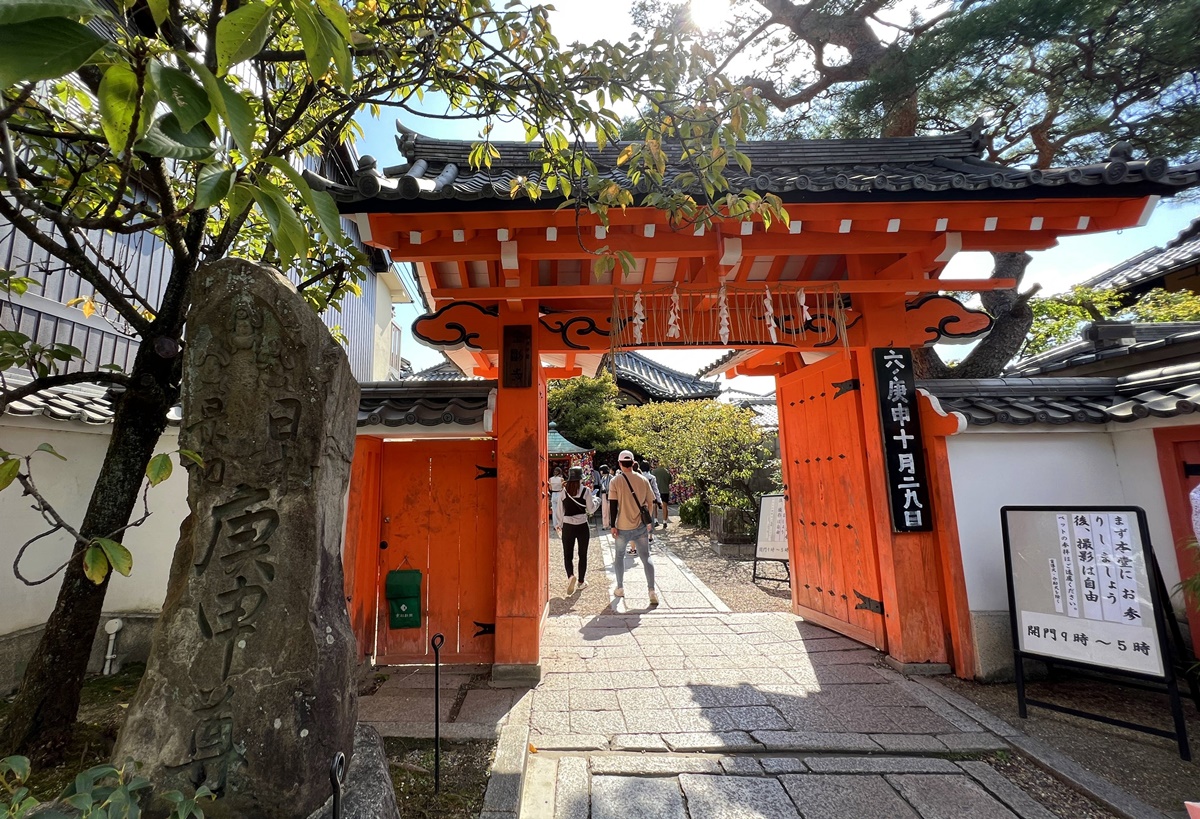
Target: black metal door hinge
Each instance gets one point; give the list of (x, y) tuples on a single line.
[(867, 603), (485, 472), (484, 628), (844, 387)]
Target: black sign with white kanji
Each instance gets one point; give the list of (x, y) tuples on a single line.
[(908, 485)]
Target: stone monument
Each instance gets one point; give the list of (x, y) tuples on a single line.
[(250, 686)]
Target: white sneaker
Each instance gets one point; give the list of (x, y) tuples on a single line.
[(582, 585), (654, 598), (620, 592), (571, 585)]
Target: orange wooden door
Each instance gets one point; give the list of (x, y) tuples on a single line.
[(1179, 464), (438, 508), (834, 563)]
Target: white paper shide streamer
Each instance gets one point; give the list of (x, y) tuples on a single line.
[(673, 315), (769, 316), (722, 316), (639, 318)]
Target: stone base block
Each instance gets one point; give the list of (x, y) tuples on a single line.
[(516, 676), (918, 669), (367, 792), (133, 646)]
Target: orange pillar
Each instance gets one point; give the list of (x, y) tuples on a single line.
[(522, 530), (908, 562)]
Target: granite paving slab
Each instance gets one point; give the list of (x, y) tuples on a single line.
[(941, 796), (834, 796), (572, 797), (736, 797), (653, 765), (623, 797)]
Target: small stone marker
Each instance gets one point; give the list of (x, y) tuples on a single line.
[(250, 686)]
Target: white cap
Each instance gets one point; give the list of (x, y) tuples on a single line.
[(625, 455)]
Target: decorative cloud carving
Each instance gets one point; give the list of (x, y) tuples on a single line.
[(937, 318)]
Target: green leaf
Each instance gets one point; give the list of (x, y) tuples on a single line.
[(19, 11), (117, 555), (239, 116), (19, 765), (8, 472), (240, 198), (118, 105), (343, 63), (194, 457), (317, 51), (241, 35), (50, 449), (159, 10), (166, 138), (95, 567), (159, 468), (212, 89), (319, 202), (291, 237), (212, 185), (44, 49), (335, 14), (185, 97)]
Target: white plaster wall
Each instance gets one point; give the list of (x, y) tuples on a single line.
[(382, 331), (68, 485), (994, 469)]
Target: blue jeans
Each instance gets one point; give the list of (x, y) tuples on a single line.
[(639, 537)]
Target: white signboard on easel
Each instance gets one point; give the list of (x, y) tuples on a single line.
[(772, 542), (1082, 589)]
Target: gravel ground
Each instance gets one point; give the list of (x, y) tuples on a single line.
[(1147, 766), (1063, 801)]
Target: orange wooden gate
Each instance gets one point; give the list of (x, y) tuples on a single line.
[(1179, 464), (438, 509), (835, 571)]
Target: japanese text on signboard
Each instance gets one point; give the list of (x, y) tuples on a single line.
[(908, 487)]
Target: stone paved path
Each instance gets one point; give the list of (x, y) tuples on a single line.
[(659, 713), (679, 590)]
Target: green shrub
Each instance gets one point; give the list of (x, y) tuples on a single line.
[(101, 792), (694, 512)]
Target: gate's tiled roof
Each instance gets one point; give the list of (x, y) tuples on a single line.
[(931, 167)]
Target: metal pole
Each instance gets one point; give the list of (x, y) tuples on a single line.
[(337, 774), (436, 642)]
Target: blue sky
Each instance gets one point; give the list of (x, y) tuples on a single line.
[(1073, 260)]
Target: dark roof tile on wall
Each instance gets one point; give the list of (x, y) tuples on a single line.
[(1125, 340), (1164, 392), (1181, 252)]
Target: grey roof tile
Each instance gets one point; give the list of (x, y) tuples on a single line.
[(1181, 252), (796, 169), (659, 381)]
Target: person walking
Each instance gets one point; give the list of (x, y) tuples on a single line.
[(662, 477), (605, 478), (556, 490), (642, 471), (575, 505), (628, 496)]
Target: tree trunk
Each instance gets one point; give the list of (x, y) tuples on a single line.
[(47, 703), (1013, 318)]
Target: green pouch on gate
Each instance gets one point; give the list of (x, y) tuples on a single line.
[(403, 592)]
